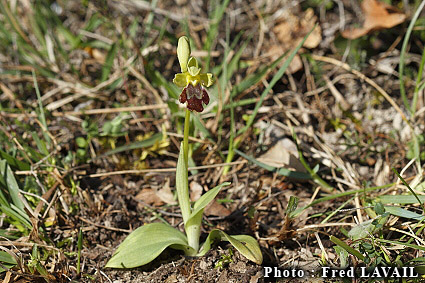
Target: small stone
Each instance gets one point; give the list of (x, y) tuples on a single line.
[(203, 265), (239, 267)]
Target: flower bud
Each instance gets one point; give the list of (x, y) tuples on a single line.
[(183, 52)]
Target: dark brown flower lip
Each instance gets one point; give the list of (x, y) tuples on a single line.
[(194, 96)]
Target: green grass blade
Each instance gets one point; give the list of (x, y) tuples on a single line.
[(213, 29), (346, 247), (274, 80), (280, 171), (14, 162), (328, 188), (407, 185), (418, 84), (7, 179), (255, 78), (135, 145), (400, 199), (41, 114), (343, 194), (109, 61), (403, 54)]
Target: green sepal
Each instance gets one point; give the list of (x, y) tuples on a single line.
[(206, 79), (180, 80), (183, 52)]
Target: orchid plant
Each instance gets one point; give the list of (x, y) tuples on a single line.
[(148, 241)]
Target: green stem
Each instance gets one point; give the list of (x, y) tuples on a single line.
[(186, 138), (193, 227)]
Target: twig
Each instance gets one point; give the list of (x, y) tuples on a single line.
[(105, 227), (163, 170), (363, 77)]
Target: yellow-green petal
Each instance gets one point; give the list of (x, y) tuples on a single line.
[(183, 52), (180, 80), (207, 79), (192, 62), (193, 71)]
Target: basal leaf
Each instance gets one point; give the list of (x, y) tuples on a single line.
[(245, 244), (146, 243)]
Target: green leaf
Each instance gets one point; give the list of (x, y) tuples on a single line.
[(16, 214), (193, 223), (7, 179), (271, 84), (106, 70), (400, 199), (206, 198), (343, 256), (420, 269), (398, 211), (364, 229), (254, 78), (292, 205), (7, 260), (280, 171), (146, 243), (135, 145), (182, 186), (245, 244), (346, 247), (14, 162)]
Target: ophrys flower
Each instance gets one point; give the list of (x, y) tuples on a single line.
[(191, 78)]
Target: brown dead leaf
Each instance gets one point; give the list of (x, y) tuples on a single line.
[(378, 16), (293, 28), (195, 191), (149, 197), (98, 55), (283, 154), (216, 209), (290, 31)]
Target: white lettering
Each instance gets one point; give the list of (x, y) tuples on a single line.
[(267, 271), (364, 273), (396, 273), (385, 271), (376, 273), (300, 273), (325, 270), (413, 273)]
